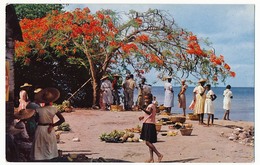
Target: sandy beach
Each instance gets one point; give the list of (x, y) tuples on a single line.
[(205, 145)]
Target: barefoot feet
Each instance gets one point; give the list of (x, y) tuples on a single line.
[(160, 158)]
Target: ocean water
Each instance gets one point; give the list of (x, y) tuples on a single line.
[(242, 105)]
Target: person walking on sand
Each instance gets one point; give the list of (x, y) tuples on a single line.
[(209, 106), (44, 146), (200, 100), (106, 88), (182, 97), (227, 102), (168, 95), (148, 132)]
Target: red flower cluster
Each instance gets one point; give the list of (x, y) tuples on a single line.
[(129, 47), (194, 47), (142, 38)]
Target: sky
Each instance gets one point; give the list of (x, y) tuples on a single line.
[(230, 28)]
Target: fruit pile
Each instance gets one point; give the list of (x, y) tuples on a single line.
[(118, 137), (137, 129)]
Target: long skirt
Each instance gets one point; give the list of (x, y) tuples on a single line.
[(44, 145), (149, 133), (182, 101)]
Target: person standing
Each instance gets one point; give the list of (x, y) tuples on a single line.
[(44, 146), (182, 96), (28, 88), (148, 132), (140, 98), (115, 88), (125, 86), (106, 88), (169, 95), (130, 91), (200, 100), (227, 102), (209, 106), (23, 100)]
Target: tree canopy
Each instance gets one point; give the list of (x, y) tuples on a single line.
[(103, 43), (32, 11)]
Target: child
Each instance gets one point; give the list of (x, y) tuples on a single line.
[(209, 106), (148, 132), (227, 102)]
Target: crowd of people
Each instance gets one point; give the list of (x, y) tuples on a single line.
[(32, 133), (202, 103), (110, 92)]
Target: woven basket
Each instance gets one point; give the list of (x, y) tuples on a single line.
[(186, 131), (116, 108), (193, 116), (176, 119)]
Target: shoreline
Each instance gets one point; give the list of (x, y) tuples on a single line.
[(206, 144)]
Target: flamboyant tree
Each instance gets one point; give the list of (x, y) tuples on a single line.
[(101, 42)]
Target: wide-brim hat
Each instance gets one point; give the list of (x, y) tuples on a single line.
[(202, 80), (104, 77), (37, 90), (23, 113), (47, 95), (25, 85), (116, 75)]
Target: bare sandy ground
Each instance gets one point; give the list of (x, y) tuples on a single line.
[(205, 145)]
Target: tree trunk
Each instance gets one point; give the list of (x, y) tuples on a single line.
[(95, 79), (96, 91), (13, 32)]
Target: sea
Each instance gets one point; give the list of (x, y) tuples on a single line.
[(242, 104)]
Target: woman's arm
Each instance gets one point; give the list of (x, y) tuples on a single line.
[(59, 122), (148, 111)]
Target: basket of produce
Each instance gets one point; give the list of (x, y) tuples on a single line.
[(116, 108), (186, 131), (175, 119), (187, 125), (158, 127), (161, 108), (193, 116)]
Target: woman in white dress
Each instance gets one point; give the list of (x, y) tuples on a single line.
[(106, 88), (200, 100), (209, 106), (227, 102), (169, 95), (45, 143)]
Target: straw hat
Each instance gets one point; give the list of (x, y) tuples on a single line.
[(23, 113), (26, 85), (202, 80), (47, 95), (37, 90), (116, 75), (104, 77)]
